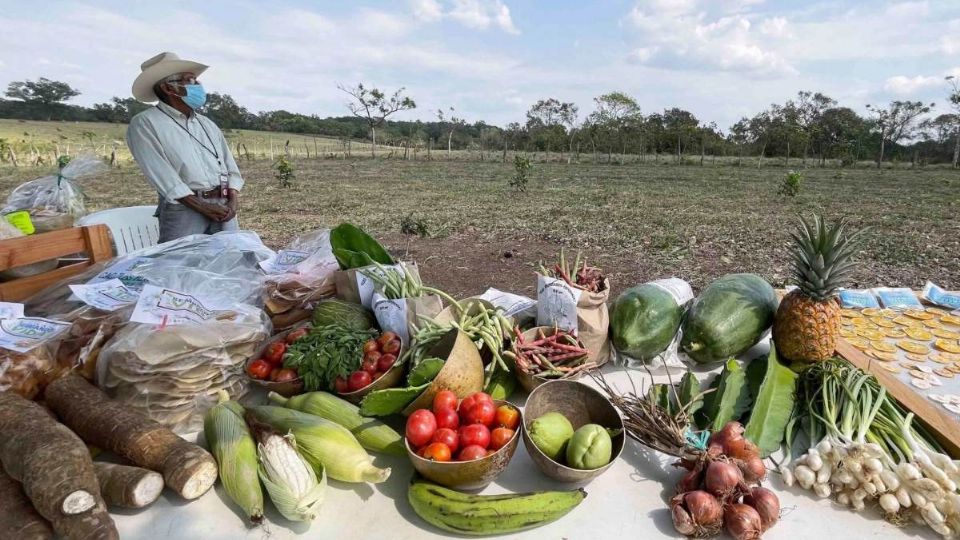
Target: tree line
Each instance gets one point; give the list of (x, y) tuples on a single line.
[(810, 126)]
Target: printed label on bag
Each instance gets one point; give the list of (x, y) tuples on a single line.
[(511, 304), (158, 305), (850, 298), (23, 334), (897, 298), (284, 261), (392, 316), (679, 289), (122, 271), (366, 286), (11, 310), (557, 303), (109, 295), (934, 294)]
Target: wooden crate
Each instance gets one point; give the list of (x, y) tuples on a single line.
[(93, 242)]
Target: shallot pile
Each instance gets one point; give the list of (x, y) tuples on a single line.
[(722, 490)]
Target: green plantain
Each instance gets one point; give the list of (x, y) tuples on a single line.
[(480, 515)]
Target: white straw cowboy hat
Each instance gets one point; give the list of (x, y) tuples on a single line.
[(158, 68)]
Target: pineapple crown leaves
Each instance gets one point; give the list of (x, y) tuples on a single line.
[(821, 256)]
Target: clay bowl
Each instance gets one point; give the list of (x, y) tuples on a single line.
[(528, 381), (467, 475), (581, 404), (462, 371), (285, 389), (392, 378)]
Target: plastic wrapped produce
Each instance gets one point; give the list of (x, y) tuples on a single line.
[(298, 277), (56, 201)]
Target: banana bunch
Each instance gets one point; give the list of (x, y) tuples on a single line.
[(480, 515)]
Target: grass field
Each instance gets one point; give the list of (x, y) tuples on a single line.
[(637, 222)]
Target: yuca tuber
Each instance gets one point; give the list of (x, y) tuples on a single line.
[(54, 468), (20, 519), (187, 469), (128, 487)]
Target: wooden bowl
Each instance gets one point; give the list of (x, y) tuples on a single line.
[(462, 372), (392, 378), (285, 389), (468, 475), (528, 381), (581, 404)]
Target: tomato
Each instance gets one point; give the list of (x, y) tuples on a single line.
[(445, 399), (392, 346), (472, 452), (470, 400), (482, 412), (475, 434), (372, 355), (483, 396), (508, 417), (259, 369), (358, 380), (385, 338), (386, 362), (437, 452), (420, 427), (341, 385), (296, 334), (371, 346), (284, 375), (370, 366), (500, 437), (447, 418), (274, 352), (448, 437)]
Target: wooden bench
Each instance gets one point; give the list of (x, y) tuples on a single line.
[(93, 242)]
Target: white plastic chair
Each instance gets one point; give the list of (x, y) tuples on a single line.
[(133, 227)]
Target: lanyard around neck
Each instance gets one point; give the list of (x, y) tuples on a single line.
[(212, 149)]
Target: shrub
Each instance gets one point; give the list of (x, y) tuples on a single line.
[(284, 172), (521, 166), (790, 187), (414, 226)]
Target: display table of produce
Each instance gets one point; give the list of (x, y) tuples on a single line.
[(628, 500)]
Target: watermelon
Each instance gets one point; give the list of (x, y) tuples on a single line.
[(729, 317), (345, 314), (644, 321)]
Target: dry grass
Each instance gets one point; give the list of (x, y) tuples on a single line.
[(638, 222)]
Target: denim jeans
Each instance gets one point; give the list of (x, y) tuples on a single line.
[(176, 220)]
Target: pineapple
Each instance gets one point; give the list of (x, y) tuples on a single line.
[(807, 323)]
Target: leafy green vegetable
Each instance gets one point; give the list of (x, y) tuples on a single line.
[(390, 401), (354, 248), (688, 395), (324, 354), (425, 372), (772, 405), (730, 400)]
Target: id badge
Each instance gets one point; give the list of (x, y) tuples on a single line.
[(224, 185)]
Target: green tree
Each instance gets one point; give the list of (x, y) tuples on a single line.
[(953, 98), (896, 121), (614, 112), (547, 118), (374, 107), (226, 112), (46, 95), (450, 125)]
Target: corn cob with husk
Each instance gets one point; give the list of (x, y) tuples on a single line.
[(236, 453), (326, 445), (294, 487), (373, 434)]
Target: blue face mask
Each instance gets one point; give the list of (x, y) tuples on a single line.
[(196, 96)]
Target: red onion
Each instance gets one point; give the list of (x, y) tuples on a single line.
[(722, 478), (697, 513), (766, 503), (690, 481), (731, 431), (742, 522), (753, 469)]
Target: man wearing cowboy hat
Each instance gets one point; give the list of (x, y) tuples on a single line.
[(183, 154)]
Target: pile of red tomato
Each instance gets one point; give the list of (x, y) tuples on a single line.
[(379, 355), (472, 429), (269, 367)]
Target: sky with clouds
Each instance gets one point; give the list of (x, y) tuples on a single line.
[(492, 59)]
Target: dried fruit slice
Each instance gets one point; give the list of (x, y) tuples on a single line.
[(937, 358), (908, 364), (933, 323), (913, 346), (888, 313), (883, 323), (903, 320), (919, 314), (919, 334), (849, 313), (859, 342), (884, 356), (916, 357), (950, 319), (883, 346), (937, 311), (895, 333), (892, 368), (870, 312), (860, 321), (870, 333), (944, 333), (847, 332), (922, 369), (947, 345), (944, 372), (922, 384)]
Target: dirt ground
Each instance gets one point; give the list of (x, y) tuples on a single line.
[(638, 222)]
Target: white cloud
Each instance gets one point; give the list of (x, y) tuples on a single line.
[(775, 27), (909, 9), (904, 85), (427, 10), (478, 14)]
